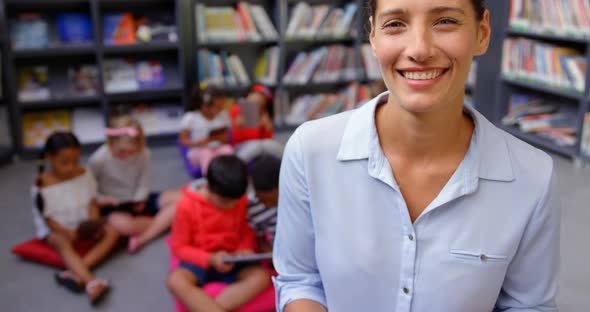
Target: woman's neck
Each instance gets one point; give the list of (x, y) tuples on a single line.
[(423, 136)]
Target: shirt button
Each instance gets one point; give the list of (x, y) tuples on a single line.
[(483, 258), (406, 290), (411, 237)]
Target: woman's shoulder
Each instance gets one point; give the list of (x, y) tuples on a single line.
[(323, 132)]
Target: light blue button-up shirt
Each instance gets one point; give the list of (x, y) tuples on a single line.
[(488, 242)]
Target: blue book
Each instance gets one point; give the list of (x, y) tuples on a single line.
[(74, 28)]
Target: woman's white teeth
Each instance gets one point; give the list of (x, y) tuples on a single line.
[(423, 75)]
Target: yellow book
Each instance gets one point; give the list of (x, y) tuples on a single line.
[(37, 126)]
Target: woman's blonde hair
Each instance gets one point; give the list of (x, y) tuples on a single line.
[(126, 128)]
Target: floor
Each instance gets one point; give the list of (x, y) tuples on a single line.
[(138, 280)]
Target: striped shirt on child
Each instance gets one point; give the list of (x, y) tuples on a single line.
[(262, 220)]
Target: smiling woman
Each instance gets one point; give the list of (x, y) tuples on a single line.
[(416, 202)]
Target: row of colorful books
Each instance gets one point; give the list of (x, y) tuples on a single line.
[(34, 83), (127, 75), (34, 30), (325, 64), (266, 69), (312, 106), (121, 28), (557, 17), (244, 22), (556, 66), (321, 21), (533, 114), (88, 123), (221, 69)]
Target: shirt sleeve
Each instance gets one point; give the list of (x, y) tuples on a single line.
[(294, 248), (182, 235), (186, 121), (95, 165), (531, 280), (143, 185)]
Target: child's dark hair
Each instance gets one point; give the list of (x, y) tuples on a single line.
[(478, 5), (227, 176), (265, 173), (202, 97), (54, 143)]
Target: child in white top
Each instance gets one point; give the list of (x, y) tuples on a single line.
[(206, 129), (122, 169), (66, 211)]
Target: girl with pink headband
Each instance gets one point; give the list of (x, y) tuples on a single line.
[(122, 170)]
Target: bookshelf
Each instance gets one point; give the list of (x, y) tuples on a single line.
[(152, 53), (568, 96), (6, 129)]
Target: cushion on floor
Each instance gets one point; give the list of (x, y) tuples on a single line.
[(264, 302), (38, 251)]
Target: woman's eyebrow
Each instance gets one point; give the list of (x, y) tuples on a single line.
[(444, 9), (391, 12), (435, 10)]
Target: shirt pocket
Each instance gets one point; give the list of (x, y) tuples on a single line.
[(477, 256)]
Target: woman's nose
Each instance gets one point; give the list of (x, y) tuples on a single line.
[(419, 48)]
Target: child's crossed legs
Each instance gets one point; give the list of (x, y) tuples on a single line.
[(249, 282)]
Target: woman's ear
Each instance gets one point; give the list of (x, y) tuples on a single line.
[(484, 33)]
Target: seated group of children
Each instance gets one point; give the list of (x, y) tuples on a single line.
[(212, 218), (208, 130)]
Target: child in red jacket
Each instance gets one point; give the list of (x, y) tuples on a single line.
[(210, 224), (253, 141)]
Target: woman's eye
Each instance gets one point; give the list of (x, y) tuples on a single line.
[(446, 21), (393, 25)]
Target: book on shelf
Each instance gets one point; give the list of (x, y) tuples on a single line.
[(557, 17), (533, 114), (150, 74), (267, 66), (37, 126), (127, 75), (244, 22), (160, 27), (118, 28), (312, 106), (334, 63), (321, 21), (370, 63), (119, 76), (83, 80), (559, 67), (221, 69), (585, 143), (74, 28), (33, 84), (29, 31)]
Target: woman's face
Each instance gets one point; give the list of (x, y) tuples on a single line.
[(425, 49)]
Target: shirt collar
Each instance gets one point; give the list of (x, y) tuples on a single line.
[(490, 154)]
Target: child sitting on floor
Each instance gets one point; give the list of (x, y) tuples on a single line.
[(66, 211), (122, 170), (205, 128), (252, 141), (210, 224), (262, 210)]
